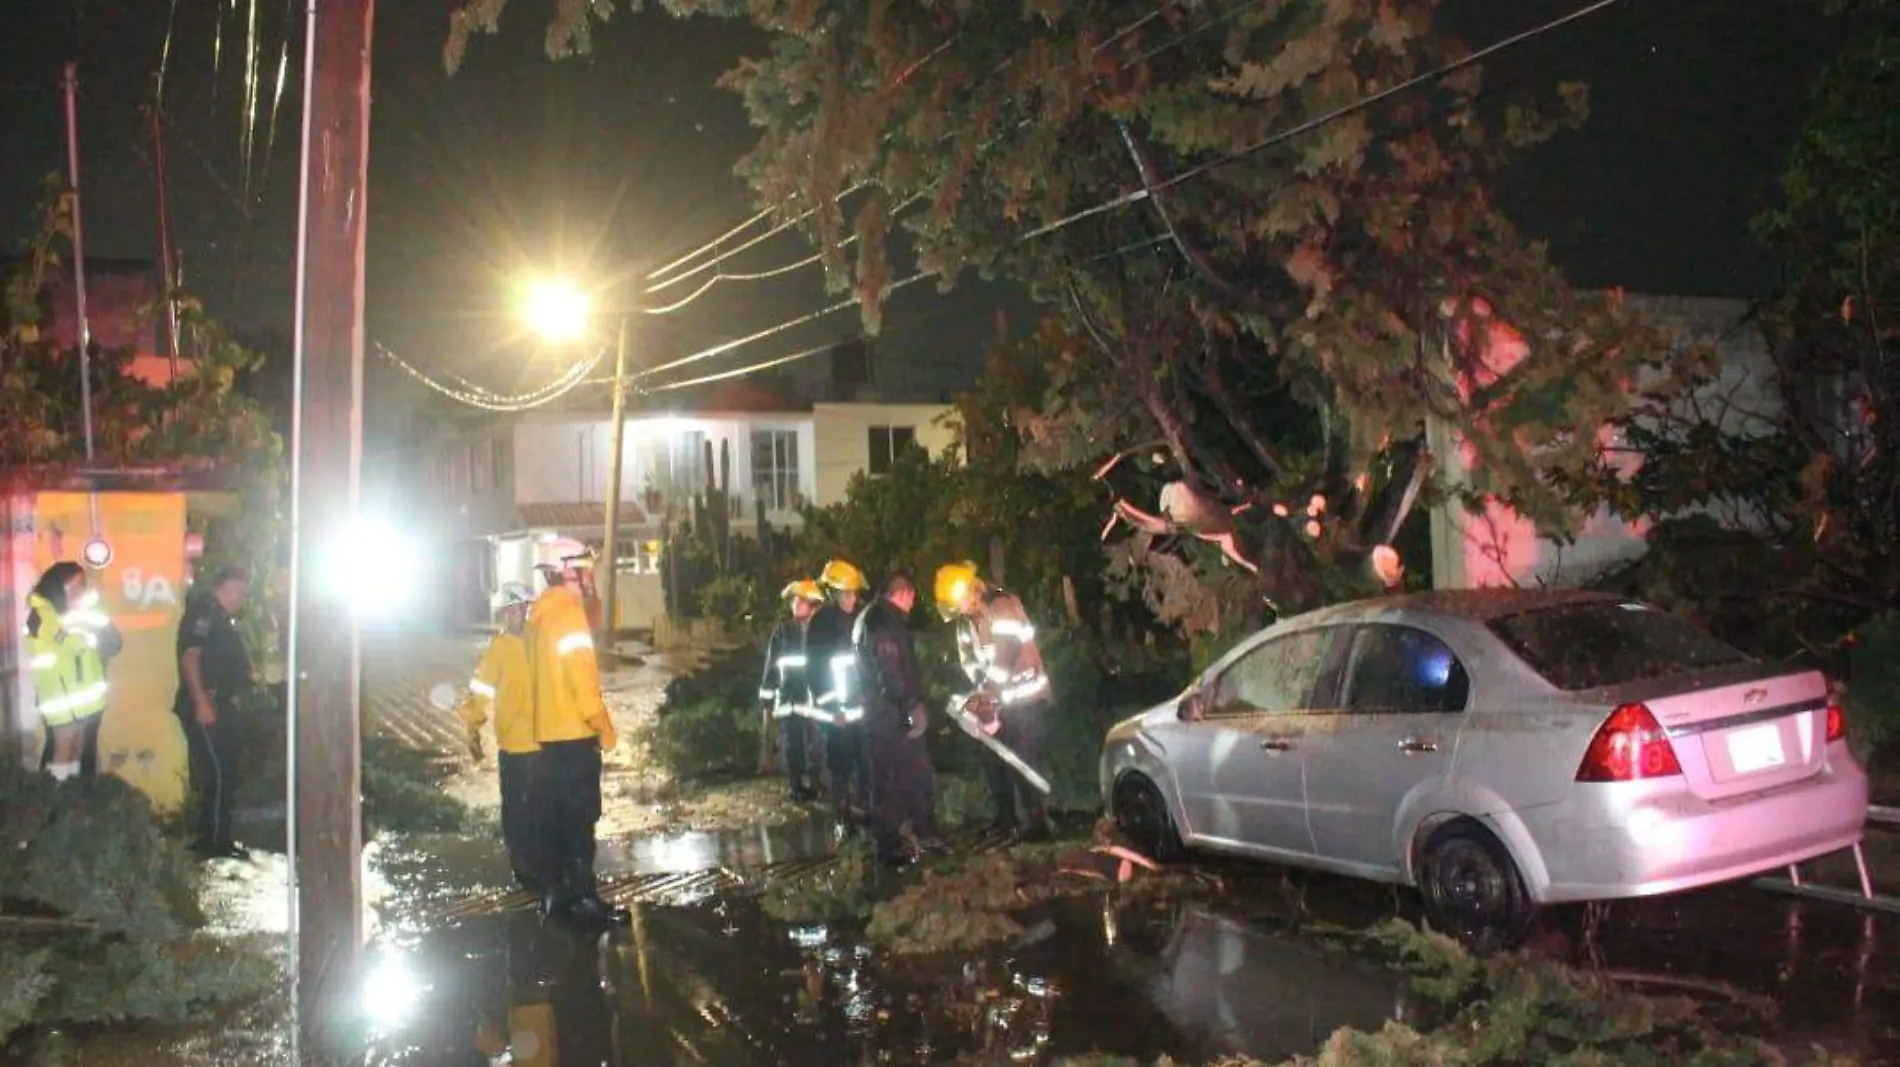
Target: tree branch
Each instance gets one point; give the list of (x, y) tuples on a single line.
[(1144, 167)]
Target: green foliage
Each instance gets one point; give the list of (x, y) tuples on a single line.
[(110, 903), (709, 725), (402, 791), (1872, 700)]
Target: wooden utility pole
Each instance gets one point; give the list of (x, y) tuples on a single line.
[(326, 464), (608, 579)]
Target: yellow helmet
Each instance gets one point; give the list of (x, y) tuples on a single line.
[(842, 576), (803, 589), (955, 581)]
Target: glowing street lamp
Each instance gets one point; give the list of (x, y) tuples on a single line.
[(560, 312)]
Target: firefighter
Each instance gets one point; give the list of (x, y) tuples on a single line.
[(573, 728), (903, 783), (500, 685), (836, 689), (996, 645), (214, 678), (68, 640), (783, 689)]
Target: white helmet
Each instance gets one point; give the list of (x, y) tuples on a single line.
[(513, 595)]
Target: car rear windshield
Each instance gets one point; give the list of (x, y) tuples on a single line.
[(1600, 643)]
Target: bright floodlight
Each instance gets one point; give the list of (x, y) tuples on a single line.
[(557, 310)]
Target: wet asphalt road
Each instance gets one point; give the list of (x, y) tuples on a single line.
[(716, 981)]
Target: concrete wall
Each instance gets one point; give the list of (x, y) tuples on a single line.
[(1497, 547), (842, 433)]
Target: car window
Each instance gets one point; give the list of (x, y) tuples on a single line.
[(1277, 676), (1398, 668), (1594, 643)]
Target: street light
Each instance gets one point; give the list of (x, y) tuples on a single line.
[(560, 311)]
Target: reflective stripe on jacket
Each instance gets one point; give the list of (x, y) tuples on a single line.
[(998, 652), (783, 682), (501, 685), (564, 676), (69, 678), (832, 663)]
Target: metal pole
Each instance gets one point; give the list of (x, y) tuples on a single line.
[(608, 583), (79, 254), (326, 463)]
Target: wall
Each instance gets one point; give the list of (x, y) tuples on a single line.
[(841, 439), (1496, 547)]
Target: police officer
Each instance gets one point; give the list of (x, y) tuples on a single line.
[(996, 645), (903, 783), (573, 728), (68, 644), (783, 688), (836, 688), (214, 676), (500, 686)]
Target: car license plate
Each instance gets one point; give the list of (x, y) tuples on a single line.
[(1756, 749)]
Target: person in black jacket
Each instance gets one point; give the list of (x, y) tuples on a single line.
[(836, 689), (783, 689), (903, 783)]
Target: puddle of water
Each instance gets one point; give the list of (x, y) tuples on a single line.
[(682, 853), (724, 984)]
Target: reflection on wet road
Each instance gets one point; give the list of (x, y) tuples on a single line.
[(719, 982)]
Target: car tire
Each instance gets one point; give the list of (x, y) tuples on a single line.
[(1472, 888), (1141, 814)]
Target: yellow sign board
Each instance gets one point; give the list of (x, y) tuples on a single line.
[(143, 590)]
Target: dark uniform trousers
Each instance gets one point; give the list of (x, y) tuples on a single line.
[(523, 831), (847, 761), (1025, 732), (214, 762), (903, 783), (794, 740), (570, 806)]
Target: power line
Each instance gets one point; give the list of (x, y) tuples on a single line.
[(1312, 124), (727, 346), (478, 397), (713, 244), (739, 372)]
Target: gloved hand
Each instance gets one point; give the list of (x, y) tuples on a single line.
[(609, 740)]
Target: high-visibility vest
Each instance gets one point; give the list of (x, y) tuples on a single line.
[(563, 675), (501, 684), (69, 678)]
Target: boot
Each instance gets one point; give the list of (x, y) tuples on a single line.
[(587, 906)]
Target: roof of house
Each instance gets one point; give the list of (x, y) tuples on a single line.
[(562, 516)]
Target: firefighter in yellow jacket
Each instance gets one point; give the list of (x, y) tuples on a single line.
[(500, 688), (64, 637), (996, 645), (573, 728)]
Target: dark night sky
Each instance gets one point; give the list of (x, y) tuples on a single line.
[(595, 165)]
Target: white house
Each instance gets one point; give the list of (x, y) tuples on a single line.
[(497, 498), (1497, 547)]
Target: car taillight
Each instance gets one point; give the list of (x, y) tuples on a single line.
[(1630, 745), (1836, 718)]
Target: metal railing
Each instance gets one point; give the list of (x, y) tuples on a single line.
[(1795, 885)]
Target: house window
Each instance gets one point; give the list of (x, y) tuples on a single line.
[(498, 463), (887, 443), (689, 462), (775, 468), (477, 470)]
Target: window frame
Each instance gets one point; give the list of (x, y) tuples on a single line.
[(1210, 689), (783, 475), (883, 446)]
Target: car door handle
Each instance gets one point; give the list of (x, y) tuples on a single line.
[(1414, 744), (1277, 744)]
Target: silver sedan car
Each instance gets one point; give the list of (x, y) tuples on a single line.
[(1498, 749)]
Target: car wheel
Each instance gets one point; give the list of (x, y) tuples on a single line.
[(1141, 813), (1472, 889)]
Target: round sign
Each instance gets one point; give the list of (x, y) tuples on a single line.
[(97, 553)]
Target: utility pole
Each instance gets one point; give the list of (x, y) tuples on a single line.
[(81, 327), (326, 464), (609, 583)]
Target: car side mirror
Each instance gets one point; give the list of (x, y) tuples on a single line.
[(1191, 708)]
